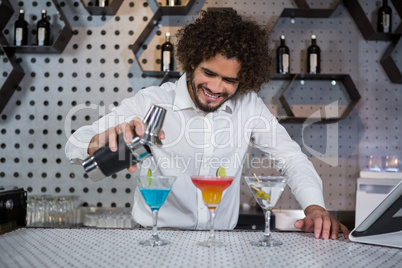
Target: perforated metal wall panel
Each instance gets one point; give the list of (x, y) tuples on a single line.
[(97, 70)]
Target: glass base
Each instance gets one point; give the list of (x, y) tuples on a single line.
[(211, 244), (266, 243), (154, 242)]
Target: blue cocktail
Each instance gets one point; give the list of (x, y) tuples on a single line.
[(155, 190), (155, 197)]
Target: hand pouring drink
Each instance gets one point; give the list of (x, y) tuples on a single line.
[(104, 162)]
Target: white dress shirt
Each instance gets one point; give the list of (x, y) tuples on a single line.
[(197, 143)]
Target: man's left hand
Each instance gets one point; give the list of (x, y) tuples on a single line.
[(322, 223)]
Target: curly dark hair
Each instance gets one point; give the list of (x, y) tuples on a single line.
[(224, 31)]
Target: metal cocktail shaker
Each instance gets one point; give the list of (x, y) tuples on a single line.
[(104, 162)]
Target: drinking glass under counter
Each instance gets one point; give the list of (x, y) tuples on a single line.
[(105, 247)]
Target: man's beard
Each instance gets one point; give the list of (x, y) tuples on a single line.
[(203, 107)]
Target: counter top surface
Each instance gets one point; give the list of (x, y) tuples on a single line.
[(85, 247)]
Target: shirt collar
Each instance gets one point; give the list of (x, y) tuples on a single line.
[(183, 99)]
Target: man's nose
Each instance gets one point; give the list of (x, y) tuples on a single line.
[(216, 85)]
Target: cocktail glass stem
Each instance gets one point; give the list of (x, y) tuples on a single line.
[(211, 222), (267, 232), (155, 224), (211, 241), (267, 240)]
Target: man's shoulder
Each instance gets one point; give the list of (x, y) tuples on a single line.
[(250, 104), (165, 88), (247, 99)]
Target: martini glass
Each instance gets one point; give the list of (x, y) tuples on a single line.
[(266, 191), (155, 190), (212, 188)]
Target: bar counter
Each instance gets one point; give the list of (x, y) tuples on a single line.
[(96, 247)]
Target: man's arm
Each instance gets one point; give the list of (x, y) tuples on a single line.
[(304, 181), (108, 136)]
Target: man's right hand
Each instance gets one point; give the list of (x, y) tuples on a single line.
[(110, 136)]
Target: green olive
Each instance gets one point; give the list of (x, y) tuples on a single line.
[(262, 195), (266, 196), (259, 194)]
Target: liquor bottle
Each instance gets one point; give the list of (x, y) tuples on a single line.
[(43, 31), (167, 51), (384, 22), (173, 3), (21, 30), (102, 3), (282, 57), (313, 57)]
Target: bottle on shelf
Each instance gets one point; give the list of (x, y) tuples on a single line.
[(43, 30), (313, 57), (384, 19), (21, 30), (282, 57), (101, 3), (167, 55), (173, 3)]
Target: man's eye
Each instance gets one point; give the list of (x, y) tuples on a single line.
[(209, 74), (230, 81)]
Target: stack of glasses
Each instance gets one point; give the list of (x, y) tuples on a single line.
[(50, 211), (108, 218)]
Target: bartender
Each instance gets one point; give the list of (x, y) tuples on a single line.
[(213, 115)]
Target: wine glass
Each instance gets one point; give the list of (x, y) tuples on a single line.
[(266, 191), (155, 190), (212, 188)]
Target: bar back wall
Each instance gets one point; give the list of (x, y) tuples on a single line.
[(98, 68)]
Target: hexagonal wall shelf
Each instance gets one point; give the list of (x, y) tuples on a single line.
[(110, 10), (182, 9), (60, 39), (398, 6), (364, 25), (392, 61), (325, 113), (158, 11), (305, 11), (11, 76), (278, 83), (11, 71), (337, 100), (6, 12)]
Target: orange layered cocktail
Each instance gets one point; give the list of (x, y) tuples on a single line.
[(212, 188)]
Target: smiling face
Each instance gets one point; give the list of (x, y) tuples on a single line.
[(213, 82)]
